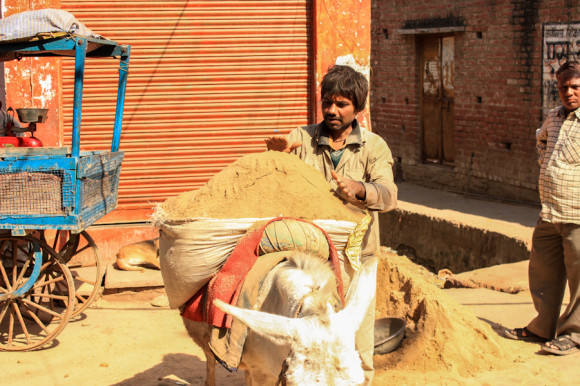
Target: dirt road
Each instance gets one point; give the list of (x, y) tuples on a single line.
[(124, 342), (127, 341)]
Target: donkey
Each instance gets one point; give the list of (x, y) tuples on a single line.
[(298, 337)]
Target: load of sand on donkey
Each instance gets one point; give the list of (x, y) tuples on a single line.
[(200, 228)]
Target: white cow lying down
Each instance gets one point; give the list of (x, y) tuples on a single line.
[(314, 347)]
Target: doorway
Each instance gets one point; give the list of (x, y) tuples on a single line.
[(437, 99)]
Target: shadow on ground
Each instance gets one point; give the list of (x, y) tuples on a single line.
[(181, 369)]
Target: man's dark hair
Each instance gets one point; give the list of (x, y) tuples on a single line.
[(572, 67), (346, 82)]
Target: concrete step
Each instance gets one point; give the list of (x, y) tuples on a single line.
[(439, 229), (83, 277), (116, 279), (514, 219)]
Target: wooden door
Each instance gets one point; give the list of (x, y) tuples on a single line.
[(437, 91)]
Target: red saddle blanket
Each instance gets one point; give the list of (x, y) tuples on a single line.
[(226, 284)]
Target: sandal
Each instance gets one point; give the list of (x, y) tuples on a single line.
[(562, 345), (524, 334)]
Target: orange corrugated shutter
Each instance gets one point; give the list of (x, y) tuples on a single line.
[(208, 81)]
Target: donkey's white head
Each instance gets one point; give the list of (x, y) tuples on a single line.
[(322, 347)]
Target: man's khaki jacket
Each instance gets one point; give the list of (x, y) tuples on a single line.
[(366, 158)]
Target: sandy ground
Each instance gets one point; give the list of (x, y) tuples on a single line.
[(127, 341), (456, 355)]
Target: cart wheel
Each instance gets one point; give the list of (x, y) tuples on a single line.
[(36, 294), (83, 259)]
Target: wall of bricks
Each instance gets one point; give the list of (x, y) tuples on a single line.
[(498, 90)]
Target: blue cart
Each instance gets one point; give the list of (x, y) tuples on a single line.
[(48, 197)]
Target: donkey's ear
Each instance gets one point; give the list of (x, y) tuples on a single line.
[(277, 328)]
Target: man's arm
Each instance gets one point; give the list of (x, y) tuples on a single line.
[(378, 191), (279, 143), (354, 190), (381, 191), (542, 139)]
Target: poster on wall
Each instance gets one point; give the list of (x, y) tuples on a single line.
[(561, 42)]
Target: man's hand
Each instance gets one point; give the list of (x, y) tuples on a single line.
[(354, 190), (278, 143)]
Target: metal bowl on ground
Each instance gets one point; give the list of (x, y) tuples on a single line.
[(31, 115), (389, 332)]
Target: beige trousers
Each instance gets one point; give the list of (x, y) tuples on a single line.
[(555, 259), (365, 336), (365, 342)]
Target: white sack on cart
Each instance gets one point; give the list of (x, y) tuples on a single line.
[(29, 24), (192, 251)]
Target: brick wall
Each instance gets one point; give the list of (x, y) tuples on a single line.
[(498, 90)]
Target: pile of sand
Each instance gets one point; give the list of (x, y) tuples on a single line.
[(441, 334), (261, 185)]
